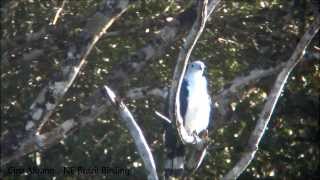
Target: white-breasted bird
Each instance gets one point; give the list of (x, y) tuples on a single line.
[(195, 109)]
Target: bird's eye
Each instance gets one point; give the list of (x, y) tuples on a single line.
[(192, 65)]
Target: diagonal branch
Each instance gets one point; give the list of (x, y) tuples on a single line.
[(241, 81), (52, 93), (94, 106), (135, 132), (235, 88), (68, 127), (223, 97), (87, 116), (56, 17), (182, 61), (274, 95)]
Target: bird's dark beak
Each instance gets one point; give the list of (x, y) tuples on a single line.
[(202, 68)]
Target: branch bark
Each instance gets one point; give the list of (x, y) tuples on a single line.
[(96, 109), (274, 95), (56, 17), (95, 106), (52, 93), (87, 116), (223, 97), (136, 133)]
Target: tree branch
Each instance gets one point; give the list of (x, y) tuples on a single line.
[(267, 111), (51, 94), (136, 133), (95, 109), (88, 115), (56, 17), (121, 72), (223, 97)]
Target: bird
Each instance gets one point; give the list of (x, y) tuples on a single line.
[(195, 109)]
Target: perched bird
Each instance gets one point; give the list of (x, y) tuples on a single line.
[(195, 109)]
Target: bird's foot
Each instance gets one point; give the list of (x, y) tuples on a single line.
[(204, 135)]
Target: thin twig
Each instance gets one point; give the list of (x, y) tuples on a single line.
[(136, 133), (163, 117), (56, 17), (269, 106)]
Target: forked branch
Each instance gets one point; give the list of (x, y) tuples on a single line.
[(269, 106)]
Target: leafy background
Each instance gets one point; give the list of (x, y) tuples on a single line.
[(239, 37)]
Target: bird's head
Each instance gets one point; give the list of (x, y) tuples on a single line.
[(196, 67)]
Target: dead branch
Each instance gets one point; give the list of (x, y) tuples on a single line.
[(223, 97), (56, 17), (94, 104), (269, 106), (136, 133), (52, 93), (83, 119)]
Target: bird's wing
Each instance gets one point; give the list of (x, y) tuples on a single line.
[(174, 163), (184, 93)]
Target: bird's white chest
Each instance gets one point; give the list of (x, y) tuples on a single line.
[(198, 109)]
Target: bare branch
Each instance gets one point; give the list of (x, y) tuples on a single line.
[(46, 140), (96, 109), (182, 61), (54, 136), (68, 127), (56, 17), (156, 47), (51, 94), (84, 118), (42, 142), (94, 106), (235, 88), (240, 82), (267, 111), (222, 98), (163, 117), (140, 92), (136, 133)]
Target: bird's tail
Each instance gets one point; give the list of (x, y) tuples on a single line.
[(183, 161), (174, 167), (175, 154)]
